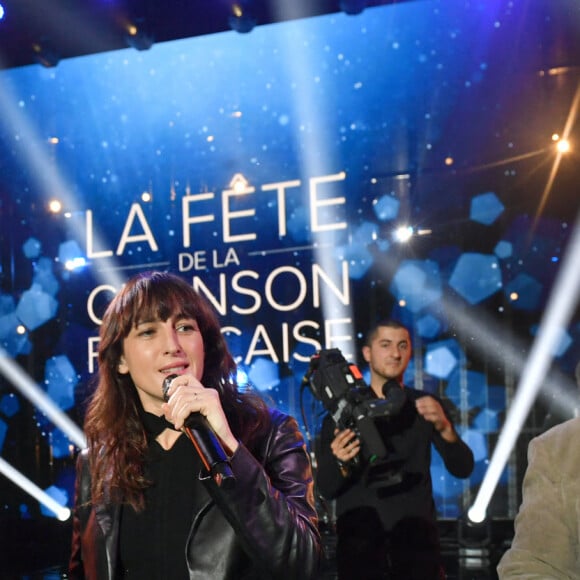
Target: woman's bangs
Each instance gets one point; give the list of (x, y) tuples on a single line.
[(160, 302)]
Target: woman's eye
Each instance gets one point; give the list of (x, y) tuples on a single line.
[(187, 327), (146, 332)]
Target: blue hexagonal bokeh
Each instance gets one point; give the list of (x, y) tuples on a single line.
[(60, 444), (387, 208), (11, 340), (445, 486), (69, 251), (24, 511), (418, 283), (440, 360), (7, 304), (9, 405), (475, 389), (428, 326), (365, 233), (31, 248), (527, 289), (359, 259), (476, 277), (564, 340), (563, 344), (36, 307), (383, 244), (264, 374), (59, 495), (486, 421), (477, 442), (496, 398), (44, 276), (486, 208), (503, 249), (60, 379)]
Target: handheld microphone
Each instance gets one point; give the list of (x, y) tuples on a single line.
[(206, 443)]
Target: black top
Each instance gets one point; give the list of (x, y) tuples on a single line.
[(152, 543), (398, 485)]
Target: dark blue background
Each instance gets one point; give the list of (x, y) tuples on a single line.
[(428, 107)]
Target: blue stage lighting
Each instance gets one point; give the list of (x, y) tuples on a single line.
[(418, 283), (503, 249), (359, 259), (440, 360), (387, 208), (32, 248), (486, 208), (524, 291), (476, 277)]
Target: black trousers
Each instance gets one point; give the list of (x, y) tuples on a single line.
[(364, 551)]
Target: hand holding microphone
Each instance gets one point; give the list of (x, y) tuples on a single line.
[(206, 443)]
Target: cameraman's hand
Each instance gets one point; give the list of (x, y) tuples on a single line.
[(345, 445), (432, 411)]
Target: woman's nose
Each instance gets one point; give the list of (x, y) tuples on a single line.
[(172, 344)]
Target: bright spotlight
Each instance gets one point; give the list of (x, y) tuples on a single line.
[(2, 12), (476, 514), (474, 539), (562, 302), (61, 512), (55, 206), (563, 146), (403, 234), (14, 373), (75, 264)]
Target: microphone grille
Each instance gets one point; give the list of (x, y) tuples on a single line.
[(166, 384)]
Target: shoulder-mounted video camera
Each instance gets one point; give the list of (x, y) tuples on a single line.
[(340, 386)]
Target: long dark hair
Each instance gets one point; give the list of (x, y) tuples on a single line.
[(115, 434)]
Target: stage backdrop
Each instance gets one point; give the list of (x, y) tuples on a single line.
[(274, 171)]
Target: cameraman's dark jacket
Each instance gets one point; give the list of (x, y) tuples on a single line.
[(398, 486), (265, 527)]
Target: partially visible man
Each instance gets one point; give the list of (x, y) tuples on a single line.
[(565, 403), (547, 537), (386, 518)]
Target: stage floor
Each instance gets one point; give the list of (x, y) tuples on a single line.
[(39, 550)]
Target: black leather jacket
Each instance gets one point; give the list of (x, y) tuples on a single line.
[(264, 527)]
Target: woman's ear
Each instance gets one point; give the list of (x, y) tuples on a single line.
[(122, 367)]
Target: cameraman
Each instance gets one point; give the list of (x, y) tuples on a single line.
[(386, 520)]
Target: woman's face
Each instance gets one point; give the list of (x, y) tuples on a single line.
[(155, 349)]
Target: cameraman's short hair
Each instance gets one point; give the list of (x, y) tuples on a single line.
[(389, 323)]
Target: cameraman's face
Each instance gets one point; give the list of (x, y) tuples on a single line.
[(388, 355)]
